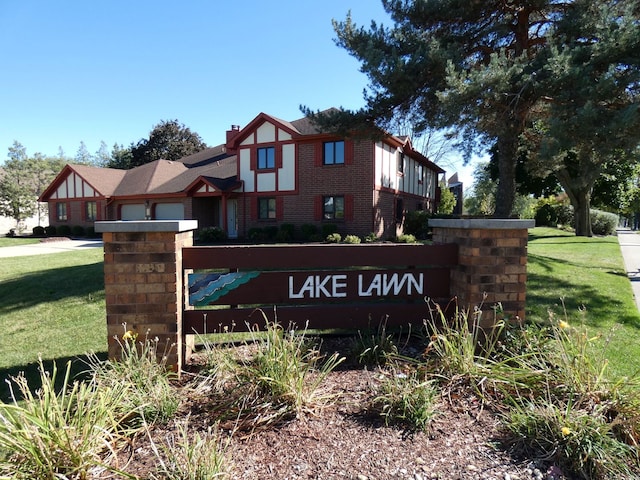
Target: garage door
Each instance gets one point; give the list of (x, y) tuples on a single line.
[(169, 211), (132, 212)]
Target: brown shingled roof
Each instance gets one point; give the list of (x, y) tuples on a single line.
[(103, 180), (149, 177)]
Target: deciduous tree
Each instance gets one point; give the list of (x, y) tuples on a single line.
[(169, 140)]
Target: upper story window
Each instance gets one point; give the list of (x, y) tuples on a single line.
[(400, 162), (61, 211), (266, 158), (333, 208), (90, 211), (266, 208), (333, 153)]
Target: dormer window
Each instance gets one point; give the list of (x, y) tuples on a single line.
[(333, 153), (266, 158)]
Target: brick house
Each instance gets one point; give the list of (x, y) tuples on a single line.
[(269, 173)]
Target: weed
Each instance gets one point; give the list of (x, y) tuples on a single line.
[(376, 347), (407, 398), (191, 457)]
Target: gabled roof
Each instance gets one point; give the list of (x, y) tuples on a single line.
[(103, 180)]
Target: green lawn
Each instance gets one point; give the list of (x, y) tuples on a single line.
[(16, 241), (50, 306), (588, 276)]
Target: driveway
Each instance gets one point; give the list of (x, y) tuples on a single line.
[(49, 247)]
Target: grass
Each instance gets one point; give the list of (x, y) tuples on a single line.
[(17, 241), (585, 277), (51, 306)]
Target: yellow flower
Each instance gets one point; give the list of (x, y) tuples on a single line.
[(129, 335), (566, 431), (563, 325)]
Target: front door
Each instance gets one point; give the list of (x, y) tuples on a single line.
[(232, 218)]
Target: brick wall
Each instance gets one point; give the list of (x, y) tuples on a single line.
[(492, 263), (143, 283)]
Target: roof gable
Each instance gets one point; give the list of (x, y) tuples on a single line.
[(103, 181)]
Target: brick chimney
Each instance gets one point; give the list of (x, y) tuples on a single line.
[(231, 134)]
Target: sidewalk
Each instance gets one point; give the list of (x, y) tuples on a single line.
[(48, 247), (630, 247)]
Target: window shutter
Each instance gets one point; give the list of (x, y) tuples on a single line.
[(254, 208), (318, 153), (348, 152), (318, 208), (278, 154), (279, 208), (348, 207)]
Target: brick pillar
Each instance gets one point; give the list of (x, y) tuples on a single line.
[(143, 283), (492, 262)]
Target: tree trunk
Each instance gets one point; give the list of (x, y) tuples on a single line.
[(579, 188), (506, 194)]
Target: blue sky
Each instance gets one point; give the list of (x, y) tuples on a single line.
[(109, 70)]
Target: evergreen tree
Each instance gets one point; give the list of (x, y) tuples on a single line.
[(484, 67)]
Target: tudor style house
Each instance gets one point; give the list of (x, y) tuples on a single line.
[(270, 172)]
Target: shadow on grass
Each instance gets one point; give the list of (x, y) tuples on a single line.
[(51, 285), (599, 305), (79, 367)]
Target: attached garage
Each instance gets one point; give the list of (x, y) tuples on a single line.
[(169, 211), (133, 211)]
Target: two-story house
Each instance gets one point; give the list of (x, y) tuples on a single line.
[(268, 173)]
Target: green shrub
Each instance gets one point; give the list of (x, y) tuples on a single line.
[(416, 223), (546, 216), (63, 230), (50, 230), (333, 238), (286, 233), (406, 238), (38, 231), (328, 229), (256, 234), (77, 231), (371, 238), (271, 232), (565, 215), (211, 235), (353, 239), (90, 232), (308, 232), (603, 223)]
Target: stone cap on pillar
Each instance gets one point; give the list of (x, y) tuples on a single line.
[(482, 223), (127, 226)]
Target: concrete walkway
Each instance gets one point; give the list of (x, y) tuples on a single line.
[(48, 247), (630, 247)]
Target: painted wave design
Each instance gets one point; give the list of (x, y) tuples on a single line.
[(206, 288)]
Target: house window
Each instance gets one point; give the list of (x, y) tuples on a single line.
[(61, 211), (333, 208), (267, 208), (400, 162), (266, 158), (90, 211), (333, 153)]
